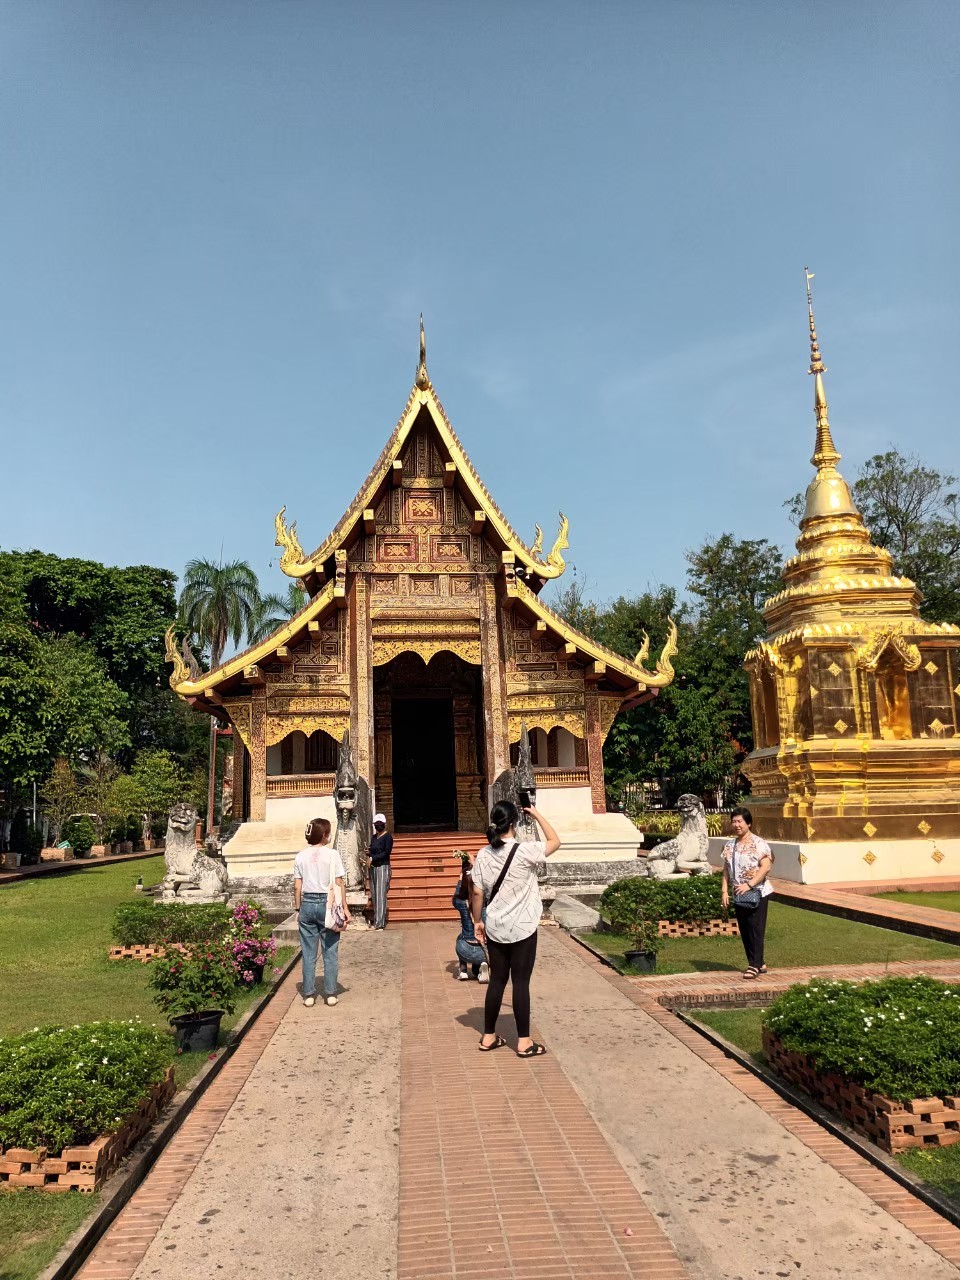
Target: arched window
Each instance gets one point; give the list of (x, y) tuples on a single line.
[(320, 753)]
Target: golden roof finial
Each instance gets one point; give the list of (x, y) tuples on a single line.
[(423, 378), (825, 453)]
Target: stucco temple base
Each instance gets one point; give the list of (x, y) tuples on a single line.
[(825, 862)]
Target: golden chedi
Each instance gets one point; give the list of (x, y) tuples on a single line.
[(854, 700)]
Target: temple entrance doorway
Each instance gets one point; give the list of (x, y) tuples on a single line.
[(424, 764), (428, 726)]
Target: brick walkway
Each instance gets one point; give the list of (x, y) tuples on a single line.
[(504, 1173), (718, 988), (15, 875), (927, 1225), (506, 1177), (852, 902)]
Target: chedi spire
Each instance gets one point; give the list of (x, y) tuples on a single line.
[(827, 494)]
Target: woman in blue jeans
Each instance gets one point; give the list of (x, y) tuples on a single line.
[(315, 870)]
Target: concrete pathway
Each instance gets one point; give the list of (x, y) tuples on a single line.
[(373, 1140)]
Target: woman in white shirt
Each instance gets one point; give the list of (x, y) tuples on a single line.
[(505, 881), (747, 861), (317, 869)]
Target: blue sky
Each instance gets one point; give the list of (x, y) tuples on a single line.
[(220, 222)]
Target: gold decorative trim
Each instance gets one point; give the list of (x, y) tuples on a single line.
[(386, 650), (279, 727), (572, 721)]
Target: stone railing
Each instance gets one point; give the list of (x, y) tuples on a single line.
[(562, 777), (301, 784)]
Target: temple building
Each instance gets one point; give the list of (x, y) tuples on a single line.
[(854, 700), (422, 633)]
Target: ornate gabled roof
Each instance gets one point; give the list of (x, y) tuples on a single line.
[(616, 665), (181, 681), (296, 564)]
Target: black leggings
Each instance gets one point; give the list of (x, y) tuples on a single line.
[(753, 925), (513, 960)]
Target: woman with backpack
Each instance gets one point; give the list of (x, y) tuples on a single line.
[(505, 885)]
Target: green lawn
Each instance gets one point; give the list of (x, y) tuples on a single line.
[(54, 939), (795, 937), (33, 1226), (943, 901), (740, 1026), (937, 1166)]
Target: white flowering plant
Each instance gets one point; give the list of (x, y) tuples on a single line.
[(65, 1086), (896, 1036)]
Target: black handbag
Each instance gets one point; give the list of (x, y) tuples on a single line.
[(751, 897)]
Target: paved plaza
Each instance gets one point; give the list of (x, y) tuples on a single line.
[(372, 1140)]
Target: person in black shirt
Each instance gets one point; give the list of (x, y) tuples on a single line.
[(381, 846)]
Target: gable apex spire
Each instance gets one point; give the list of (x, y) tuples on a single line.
[(423, 378)]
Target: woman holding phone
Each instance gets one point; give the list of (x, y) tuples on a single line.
[(505, 885)]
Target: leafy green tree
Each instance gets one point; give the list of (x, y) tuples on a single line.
[(692, 736), (84, 710), (96, 793), (60, 796), (274, 610), (121, 612), (161, 784), (218, 603), (24, 753)]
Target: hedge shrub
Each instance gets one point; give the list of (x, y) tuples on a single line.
[(64, 1086), (145, 923), (897, 1036), (693, 898)]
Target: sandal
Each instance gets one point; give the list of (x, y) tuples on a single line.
[(751, 973), (535, 1051), (498, 1043)]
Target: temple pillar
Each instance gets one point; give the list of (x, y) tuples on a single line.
[(258, 756), (594, 736), (361, 678), (495, 730), (238, 798)]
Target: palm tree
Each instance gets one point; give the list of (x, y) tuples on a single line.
[(218, 602), (274, 611)]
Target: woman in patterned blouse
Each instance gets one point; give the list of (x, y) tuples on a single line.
[(749, 857)]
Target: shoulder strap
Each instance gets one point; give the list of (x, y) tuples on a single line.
[(506, 867)]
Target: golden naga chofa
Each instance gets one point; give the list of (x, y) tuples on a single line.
[(854, 695), (664, 671), (292, 560)]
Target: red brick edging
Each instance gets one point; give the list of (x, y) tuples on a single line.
[(893, 1126), (924, 1222), (84, 1168)]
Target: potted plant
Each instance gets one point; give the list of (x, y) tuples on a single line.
[(250, 949), (644, 935), (195, 987)]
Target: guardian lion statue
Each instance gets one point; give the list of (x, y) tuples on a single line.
[(685, 854), (193, 875)]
